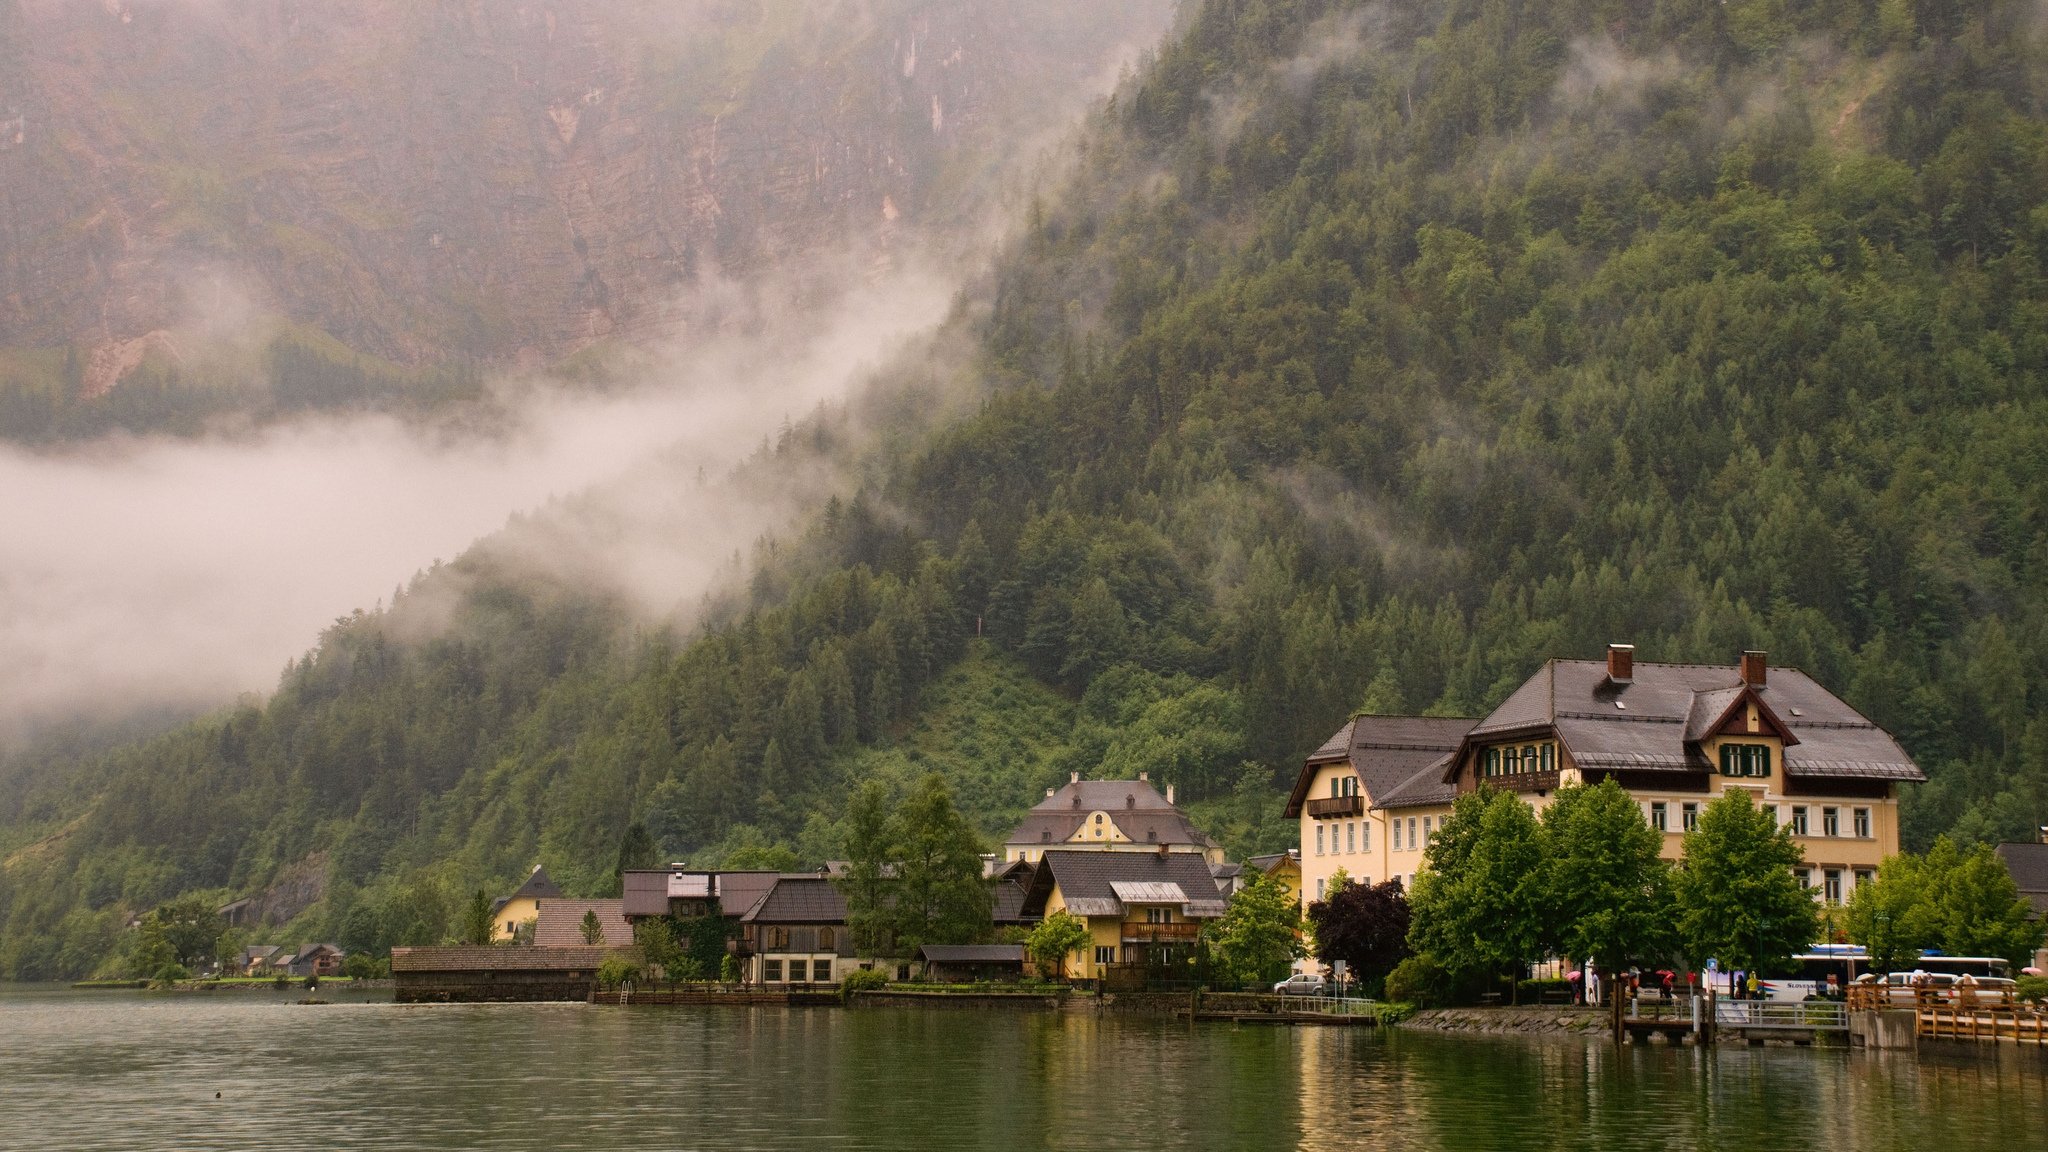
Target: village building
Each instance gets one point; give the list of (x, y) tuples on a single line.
[(523, 906), (316, 960), (2028, 864), (1676, 736), (797, 933), (474, 975), (263, 959), (1107, 816), (1144, 910), (972, 963), (559, 923), (1370, 797)]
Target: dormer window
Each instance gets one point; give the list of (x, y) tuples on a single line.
[(1752, 760)]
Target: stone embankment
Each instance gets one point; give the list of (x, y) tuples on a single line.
[(1548, 1020)]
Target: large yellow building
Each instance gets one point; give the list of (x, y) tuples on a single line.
[(1677, 736), (1371, 796)]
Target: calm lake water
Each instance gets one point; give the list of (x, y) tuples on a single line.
[(139, 1071)]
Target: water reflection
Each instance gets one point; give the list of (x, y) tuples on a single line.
[(126, 1071)]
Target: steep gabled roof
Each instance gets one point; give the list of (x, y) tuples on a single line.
[(560, 923), (1088, 881), (1427, 788), (538, 886), (1654, 721), (807, 899), (1137, 809), (2028, 864), (1385, 751)]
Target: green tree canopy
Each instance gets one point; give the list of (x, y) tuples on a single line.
[(1258, 937), (477, 923), (1608, 892), (870, 852), (1738, 895), (1480, 898), (1053, 940), (940, 897)]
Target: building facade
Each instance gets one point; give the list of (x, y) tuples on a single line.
[(1143, 910), (1679, 736), (1369, 799), (1676, 736), (522, 907)]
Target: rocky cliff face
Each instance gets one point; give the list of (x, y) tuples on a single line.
[(491, 179)]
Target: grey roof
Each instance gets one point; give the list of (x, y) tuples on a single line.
[(560, 923), (538, 886), (497, 959), (740, 892), (1385, 751), (973, 953), (644, 893), (2028, 864), (1087, 880), (806, 899), (1134, 806), (1653, 722), (1426, 789), (1009, 901)]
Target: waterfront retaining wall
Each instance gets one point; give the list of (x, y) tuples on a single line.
[(1537, 1019)]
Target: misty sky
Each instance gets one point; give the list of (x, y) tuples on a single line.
[(139, 572)]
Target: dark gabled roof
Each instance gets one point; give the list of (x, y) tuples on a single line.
[(1086, 880), (560, 924), (741, 892), (498, 959), (644, 893), (808, 899), (2028, 864), (538, 886), (1426, 789), (1009, 901), (1654, 721), (973, 953), (1385, 751), (1134, 806), (1267, 863)]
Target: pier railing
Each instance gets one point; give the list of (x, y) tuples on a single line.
[(1809, 1015)]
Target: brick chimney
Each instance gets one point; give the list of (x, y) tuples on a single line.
[(1753, 669), (1169, 793), (1144, 777), (1621, 663)]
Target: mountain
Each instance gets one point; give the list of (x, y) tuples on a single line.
[(327, 204), (1372, 354)]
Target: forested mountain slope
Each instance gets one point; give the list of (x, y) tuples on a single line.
[(1375, 353)]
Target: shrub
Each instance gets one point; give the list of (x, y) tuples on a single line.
[(172, 973), (1418, 980), (862, 980), (616, 971), (729, 969), (2034, 988)]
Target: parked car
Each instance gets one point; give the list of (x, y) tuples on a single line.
[(1303, 984)]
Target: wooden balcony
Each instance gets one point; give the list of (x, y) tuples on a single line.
[(1331, 807), (1161, 933)]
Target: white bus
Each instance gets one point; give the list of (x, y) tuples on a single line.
[(1846, 962)]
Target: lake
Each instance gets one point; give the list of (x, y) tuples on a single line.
[(140, 1070)]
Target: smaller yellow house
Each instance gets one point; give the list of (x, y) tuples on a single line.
[(522, 906), (1143, 910), (1284, 868)]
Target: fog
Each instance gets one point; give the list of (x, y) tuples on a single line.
[(144, 572)]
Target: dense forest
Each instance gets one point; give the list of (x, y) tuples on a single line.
[(1369, 355)]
